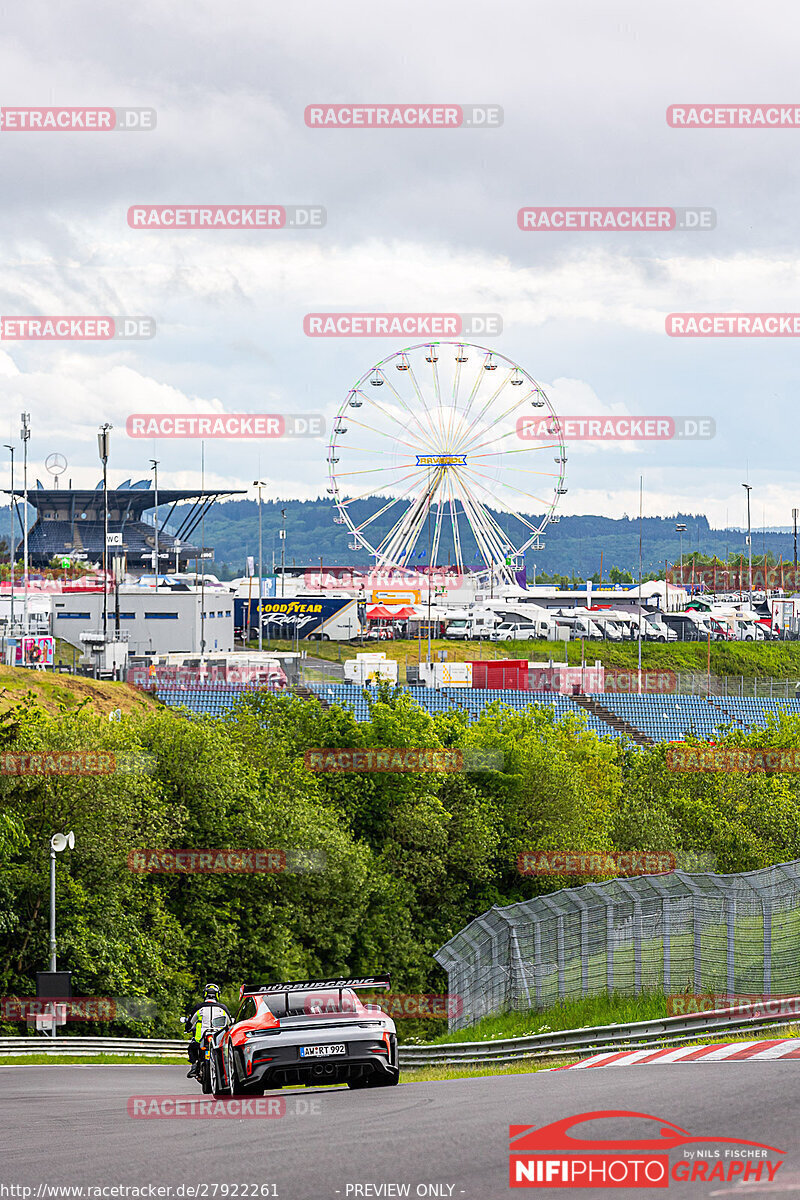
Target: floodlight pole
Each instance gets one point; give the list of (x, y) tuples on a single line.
[(154, 465), (11, 538), (283, 552), (680, 529), (25, 434), (259, 483), (641, 486), (52, 907), (749, 489), (63, 843), (102, 445)]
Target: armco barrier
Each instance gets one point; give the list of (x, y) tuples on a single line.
[(577, 1042), (83, 1046), (566, 1042)]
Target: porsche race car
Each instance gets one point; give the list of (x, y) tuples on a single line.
[(309, 1033)]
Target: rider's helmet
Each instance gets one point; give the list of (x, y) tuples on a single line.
[(211, 992)]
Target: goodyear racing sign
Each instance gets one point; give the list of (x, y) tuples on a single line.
[(303, 618)]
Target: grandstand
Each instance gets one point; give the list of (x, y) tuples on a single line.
[(69, 524), (205, 699), (656, 718)]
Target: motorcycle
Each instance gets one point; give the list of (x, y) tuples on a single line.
[(209, 1077)]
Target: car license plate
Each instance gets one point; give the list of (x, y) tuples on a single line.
[(336, 1048)]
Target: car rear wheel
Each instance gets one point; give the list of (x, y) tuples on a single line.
[(234, 1087), (215, 1075)]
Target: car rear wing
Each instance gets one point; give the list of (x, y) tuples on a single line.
[(367, 983)]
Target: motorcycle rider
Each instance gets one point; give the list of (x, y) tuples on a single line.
[(200, 1020)]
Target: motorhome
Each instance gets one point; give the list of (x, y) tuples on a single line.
[(656, 629), (523, 613), (580, 624), (748, 629), (465, 626), (685, 628)]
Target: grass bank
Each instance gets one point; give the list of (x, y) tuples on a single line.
[(584, 1013), (55, 693)]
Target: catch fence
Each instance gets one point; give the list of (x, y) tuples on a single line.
[(699, 933)]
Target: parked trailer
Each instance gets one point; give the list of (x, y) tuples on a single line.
[(300, 618)]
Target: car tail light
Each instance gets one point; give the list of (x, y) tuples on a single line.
[(386, 1048)]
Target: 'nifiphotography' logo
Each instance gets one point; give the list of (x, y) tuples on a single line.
[(552, 1157)]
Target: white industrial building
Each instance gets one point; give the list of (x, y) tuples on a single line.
[(157, 622)]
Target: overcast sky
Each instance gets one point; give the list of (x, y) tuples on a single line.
[(417, 221)]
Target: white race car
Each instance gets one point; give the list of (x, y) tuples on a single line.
[(313, 1032)]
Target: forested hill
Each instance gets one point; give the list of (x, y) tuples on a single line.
[(573, 545)]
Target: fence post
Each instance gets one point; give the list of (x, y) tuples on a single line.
[(455, 967), (636, 902), (666, 928), (496, 967), (553, 908), (697, 966), (537, 959), (518, 981), (766, 911), (584, 942), (730, 921), (608, 903)]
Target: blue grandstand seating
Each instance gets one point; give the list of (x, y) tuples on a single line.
[(211, 699), (660, 717), (469, 700)]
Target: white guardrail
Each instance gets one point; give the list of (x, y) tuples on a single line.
[(569, 1043)]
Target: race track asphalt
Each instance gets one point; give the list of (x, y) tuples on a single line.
[(70, 1125)]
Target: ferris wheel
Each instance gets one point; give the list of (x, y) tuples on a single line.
[(426, 460)]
